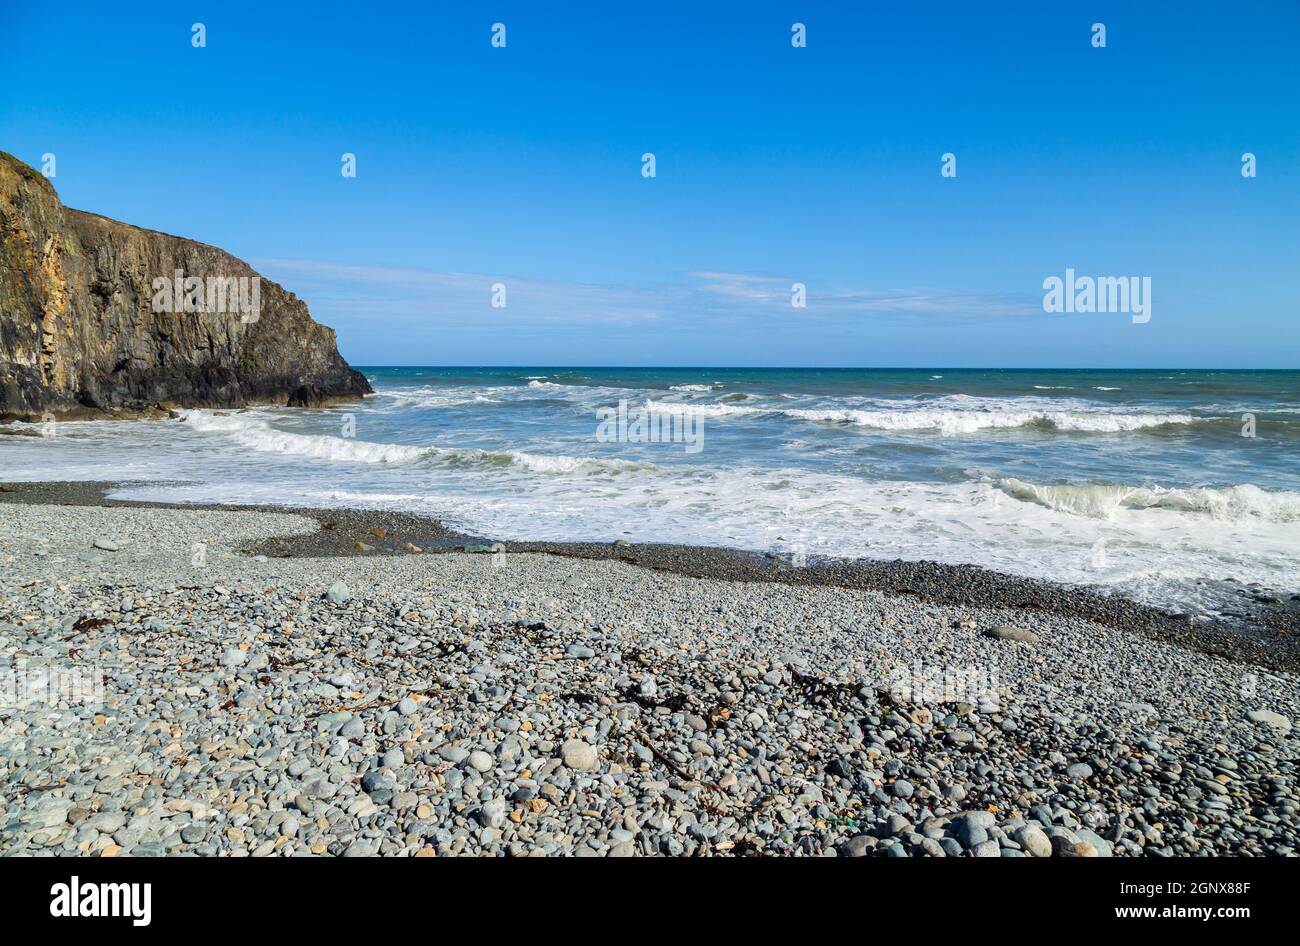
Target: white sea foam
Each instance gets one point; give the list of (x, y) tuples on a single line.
[(430, 397), (703, 410), (545, 463), (255, 433), (1240, 503), (950, 415), (963, 415), (960, 422)]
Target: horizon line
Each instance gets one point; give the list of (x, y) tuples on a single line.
[(812, 367)]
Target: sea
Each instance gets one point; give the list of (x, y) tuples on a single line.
[(1159, 484)]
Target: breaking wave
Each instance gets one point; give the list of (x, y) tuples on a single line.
[(949, 421), (1246, 502), (256, 434)]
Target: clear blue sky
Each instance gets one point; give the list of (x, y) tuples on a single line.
[(775, 164)]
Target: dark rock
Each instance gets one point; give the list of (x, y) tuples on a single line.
[(968, 833), (1065, 847), (309, 395), (859, 846)]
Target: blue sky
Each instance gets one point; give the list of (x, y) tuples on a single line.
[(819, 165)]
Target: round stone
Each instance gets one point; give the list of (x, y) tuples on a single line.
[(578, 755), (1033, 841), (234, 657)]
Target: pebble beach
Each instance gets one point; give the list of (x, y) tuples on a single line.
[(527, 704)]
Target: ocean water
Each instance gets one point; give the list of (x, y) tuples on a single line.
[(1138, 481)]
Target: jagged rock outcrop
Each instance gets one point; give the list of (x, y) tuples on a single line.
[(91, 323)]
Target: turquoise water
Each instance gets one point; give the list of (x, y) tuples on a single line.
[(1135, 480)]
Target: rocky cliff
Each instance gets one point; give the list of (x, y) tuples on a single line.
[(100, 318)]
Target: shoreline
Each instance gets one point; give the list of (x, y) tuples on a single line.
[(1266, 634)]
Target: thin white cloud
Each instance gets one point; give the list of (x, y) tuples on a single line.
[(920, 302), (432, 297), (712, 276)]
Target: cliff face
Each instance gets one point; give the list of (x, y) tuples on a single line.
[(93, 322)]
